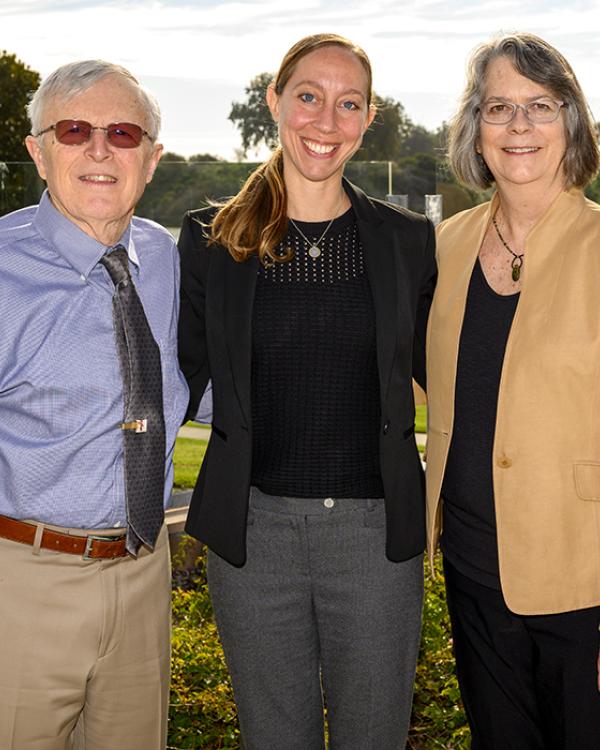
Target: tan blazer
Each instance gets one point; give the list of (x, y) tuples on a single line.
[(546, 456)]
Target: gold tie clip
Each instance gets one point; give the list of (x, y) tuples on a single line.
[(138, 425)]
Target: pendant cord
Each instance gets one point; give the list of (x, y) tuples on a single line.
[(517, 259)]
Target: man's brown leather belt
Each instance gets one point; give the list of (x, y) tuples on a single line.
[(91, 547)]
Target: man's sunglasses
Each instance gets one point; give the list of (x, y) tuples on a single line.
[(76, 132)]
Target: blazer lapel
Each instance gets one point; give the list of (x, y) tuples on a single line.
[(380, 261), (240, 285)]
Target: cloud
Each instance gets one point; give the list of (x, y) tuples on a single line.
[(197, 55), (59, 6)]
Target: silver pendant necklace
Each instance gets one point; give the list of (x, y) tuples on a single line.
[(313, 247)]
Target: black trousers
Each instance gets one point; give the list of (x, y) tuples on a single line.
[(527, 682)]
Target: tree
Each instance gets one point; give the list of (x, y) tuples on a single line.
[(18, 182), (391, 135), (252, 117), (17, 82), (419, 140), (180, 184), (383, 140), (204, 157), (169, 156)]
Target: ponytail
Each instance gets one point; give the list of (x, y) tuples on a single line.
[(254, 222)]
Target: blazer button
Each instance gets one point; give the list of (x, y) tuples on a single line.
[(504, 462), (386, 427)]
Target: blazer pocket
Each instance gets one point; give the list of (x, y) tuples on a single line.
[(218, 431), (587, 480)]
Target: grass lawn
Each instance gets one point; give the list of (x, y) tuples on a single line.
[(189, 453), (421, 419)]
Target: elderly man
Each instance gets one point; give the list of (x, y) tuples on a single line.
[(90, 400)]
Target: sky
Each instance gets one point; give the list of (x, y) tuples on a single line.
[(198, 55)]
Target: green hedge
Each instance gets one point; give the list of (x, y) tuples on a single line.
[(438, 719), (202, 713)]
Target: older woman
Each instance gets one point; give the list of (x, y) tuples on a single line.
[(514, 399), (305, 302)]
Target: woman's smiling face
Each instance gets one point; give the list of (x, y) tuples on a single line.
[(519, 152), (322, 114)]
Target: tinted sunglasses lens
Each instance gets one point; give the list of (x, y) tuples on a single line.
[(72, 132), (120, 134), (125, 134)]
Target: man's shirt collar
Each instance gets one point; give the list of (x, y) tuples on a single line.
[(81, 251)]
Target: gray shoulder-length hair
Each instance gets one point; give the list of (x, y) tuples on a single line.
[(537, 60), (75, 78)]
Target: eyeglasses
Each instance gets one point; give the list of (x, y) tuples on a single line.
[(76, 132), (501, 112)]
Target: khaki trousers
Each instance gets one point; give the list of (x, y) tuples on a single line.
[(87, 643)]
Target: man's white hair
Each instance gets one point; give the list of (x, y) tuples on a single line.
[(75, 78)]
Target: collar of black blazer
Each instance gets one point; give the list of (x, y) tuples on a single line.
[(363, 206)]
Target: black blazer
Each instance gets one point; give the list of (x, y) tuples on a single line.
[(215, 326)]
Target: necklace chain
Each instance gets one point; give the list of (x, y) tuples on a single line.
[(313, 247), (517, 259)]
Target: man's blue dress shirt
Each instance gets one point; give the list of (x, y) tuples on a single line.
[(61, 391)]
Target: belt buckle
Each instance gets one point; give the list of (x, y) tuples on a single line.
[(91, 538)]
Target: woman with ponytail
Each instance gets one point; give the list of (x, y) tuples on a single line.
[(305, 303)]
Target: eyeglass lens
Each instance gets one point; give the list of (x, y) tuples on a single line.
[(541, 110), (119, 134)]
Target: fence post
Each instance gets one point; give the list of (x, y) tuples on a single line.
[(433, 208)]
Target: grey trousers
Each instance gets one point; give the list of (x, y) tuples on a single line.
[(317, 615)]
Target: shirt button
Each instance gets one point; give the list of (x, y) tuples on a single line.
[(386, 427), (329, 502), (504, 462)]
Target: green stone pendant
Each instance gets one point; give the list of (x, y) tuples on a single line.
[(516, 269)]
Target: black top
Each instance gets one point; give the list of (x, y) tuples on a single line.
[(469, 524), (315, 388)]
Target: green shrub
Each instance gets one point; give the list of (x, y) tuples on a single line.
[(438, 719), (202, 713)]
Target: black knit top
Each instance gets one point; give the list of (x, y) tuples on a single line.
[(469, 527), (315, 387)]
